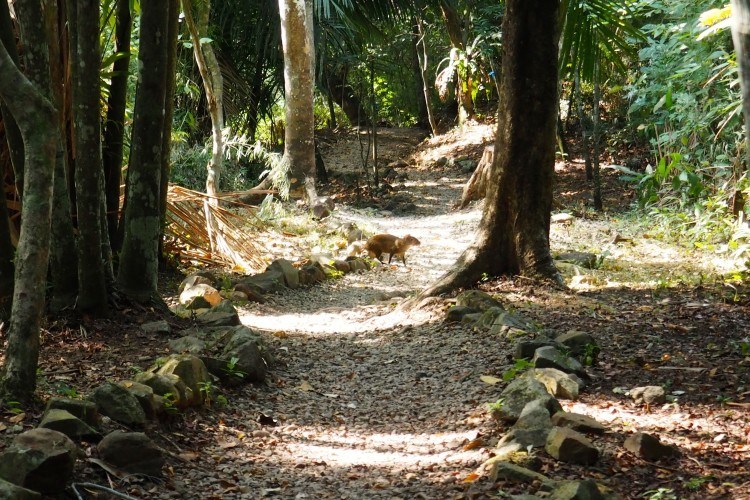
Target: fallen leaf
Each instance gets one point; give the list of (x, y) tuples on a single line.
[(3, 427), (471, 478), (330, 395), (305, 386), (489, 379), (188, 455), (15, 419), (474, 443)]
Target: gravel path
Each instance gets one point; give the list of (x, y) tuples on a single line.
[(369, 403)]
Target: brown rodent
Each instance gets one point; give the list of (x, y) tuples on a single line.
[(392, 245)]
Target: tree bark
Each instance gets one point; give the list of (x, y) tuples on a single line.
[(463, 82), (15, 147), (84, 67), (114, 127), (63, 259), (36, 119), (514, 232), (12, 132), (166, 146), (421, 50), (741, 39), (596, 139), (213, 84), (299, 79), (139, 263)]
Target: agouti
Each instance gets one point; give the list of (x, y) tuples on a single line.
[(392, 245)]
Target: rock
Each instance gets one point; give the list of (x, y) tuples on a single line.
[(118, 404), (200, 297), (12, 491), (342, 266), (313, 274), (234, 295), (39, 459), (151, 403), (132, 452), (170, 387), (252, 292), (477, 300), (160, 326), (577, 490), (578, 343), (558, 383), (651, 395), (578, 422), (358, 265), (457, 313), (562, 218), (570, 446), (400, 163), (525, 349), (518, 394), (247, 348), (467, 166), (515, 473), (191, 371), (648, 447), (194, 279), (84, 410), (441, 161), (532, 426), (73, 427), (550, 357), (354, 234), (320, 211), (270, 281), (583, 259), (222, 315), (287, 269), (471, 318), (188, 343)]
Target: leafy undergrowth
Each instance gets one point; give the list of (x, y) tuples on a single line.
[(362, 403)]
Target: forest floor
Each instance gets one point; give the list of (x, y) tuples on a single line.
[(367, 401)]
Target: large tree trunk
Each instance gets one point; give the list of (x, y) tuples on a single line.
[(166, 146), (36, 119), (344, 95), (84, 67), (299, 79), (139, 262), (741, 39), (6, 259), (114, 127), (63, 253), (514, 232)]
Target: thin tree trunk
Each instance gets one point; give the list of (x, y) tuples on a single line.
[(299, 75), (12, 133), (15, 147), (421, 49), (92, 292), (137, 275), (741, 39), (114, 127), (374, 128), (166, 148), (514, 232), (584, 121), (423, 119), (463, 84), (596, 137), (36, 119)]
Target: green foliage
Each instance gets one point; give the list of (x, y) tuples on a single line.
[(14, 407), (232, 370), (67, 391), (169, 401), (496, 406), (696, 483), (660, 494), (520, 366)]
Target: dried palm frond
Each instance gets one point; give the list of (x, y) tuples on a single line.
[(187, 226)]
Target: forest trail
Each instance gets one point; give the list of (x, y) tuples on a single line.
[(367, 402), (364, 401)]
